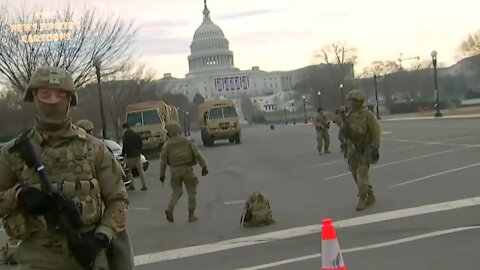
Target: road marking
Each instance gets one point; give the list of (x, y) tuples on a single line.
[(235, 202), (461, 116), (460, 138), (434, 175), (322, 164), (363, 248), (342, 160), (386, 132), (398, 162), (301, 231), (432, 143), (399, 149)]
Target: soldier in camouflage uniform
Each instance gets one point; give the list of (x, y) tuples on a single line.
[(86, 125), (181, 154), (321, 126), (340, 114), (78, 165), (361, 134)]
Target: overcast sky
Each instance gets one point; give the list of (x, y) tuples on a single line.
[(283, 34)]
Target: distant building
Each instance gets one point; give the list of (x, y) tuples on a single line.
[(212, 72)]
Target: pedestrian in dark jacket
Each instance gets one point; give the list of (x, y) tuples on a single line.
[(132, 150)]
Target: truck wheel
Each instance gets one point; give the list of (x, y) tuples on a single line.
[(211, 141), (204, 138), (237, 138)]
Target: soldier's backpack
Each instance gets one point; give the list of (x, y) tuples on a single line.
[(6, 252), (257, 211)]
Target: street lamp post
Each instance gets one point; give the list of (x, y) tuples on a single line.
[(341, 94), (319, 94), (437, 102), (188, 124), (184, 114), (97, 64), (293, 112), (304, 109), (285, 114), (376, 94)]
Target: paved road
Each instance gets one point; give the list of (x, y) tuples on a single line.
[(423, 163)]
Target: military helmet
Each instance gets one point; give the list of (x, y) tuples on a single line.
[(356, 95), (173, 128), (51, 78), (85, 124)]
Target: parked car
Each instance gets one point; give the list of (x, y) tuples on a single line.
[(117, 151)]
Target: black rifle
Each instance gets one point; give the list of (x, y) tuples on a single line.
[(63, 214)]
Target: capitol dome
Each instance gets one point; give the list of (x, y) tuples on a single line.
[(209, 49)]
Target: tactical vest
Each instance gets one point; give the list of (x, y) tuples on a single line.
[(71, 170), (358, 123), (180, 152)]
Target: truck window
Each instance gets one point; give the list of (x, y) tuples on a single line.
[(229, 112), (134, 119), (215, 113), (151, 117), (145, 118)]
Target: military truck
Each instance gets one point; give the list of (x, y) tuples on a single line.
[(148, 119), (218, 121)]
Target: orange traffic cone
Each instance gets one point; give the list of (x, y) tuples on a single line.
[(331, 254)]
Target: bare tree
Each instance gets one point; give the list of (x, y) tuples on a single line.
[(337, 53), (380, 68), (338, 59), (123, 88), (470, 46), (15, 115), (70, 39)]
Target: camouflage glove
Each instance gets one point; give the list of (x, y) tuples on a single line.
[(86, 250), (162, 178), (204, 171), (33, 201)]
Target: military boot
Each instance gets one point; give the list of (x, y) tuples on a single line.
[(362, 199), (191, 216), (169, 215), (370, 197)]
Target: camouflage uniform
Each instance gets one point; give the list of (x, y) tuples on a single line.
[(322, 126), (119, 253), (181, 154), (78, 165), (86, 125), (362, 144), (340, 113)]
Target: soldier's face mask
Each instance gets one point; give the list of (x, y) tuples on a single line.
[(354, 104), (52, 104)]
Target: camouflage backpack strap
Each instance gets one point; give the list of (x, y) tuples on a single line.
[(247, 211)]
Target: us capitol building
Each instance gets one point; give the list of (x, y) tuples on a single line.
[(212, 73)]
